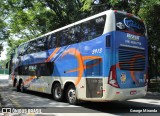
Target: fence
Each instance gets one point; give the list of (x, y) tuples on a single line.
[(4, 71)]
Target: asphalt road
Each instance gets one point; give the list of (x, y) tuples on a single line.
[(11, 98)]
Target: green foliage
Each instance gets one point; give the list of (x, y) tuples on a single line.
[(3, 30), (13, 44), (150, 12), (3, 63), (86, 5)]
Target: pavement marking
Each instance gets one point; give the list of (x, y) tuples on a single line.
[(147, 101)]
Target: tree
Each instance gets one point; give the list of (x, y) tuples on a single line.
[(4, 33), (29, 19), (150, 12)]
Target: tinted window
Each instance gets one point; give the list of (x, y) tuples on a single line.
[(51, 41), (78, 34), (21, 50), (129, 24), (44, 69), (34, 46), (82, 32), (41, 44), (71, 36), (29, 48), (90, 29), (41, 69)]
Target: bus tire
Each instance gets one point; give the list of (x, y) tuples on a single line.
[(57, 92), (71, 95), (18, 88), (14, 82), (22, 88)]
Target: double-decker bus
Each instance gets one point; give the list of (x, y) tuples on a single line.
[(100, 58)]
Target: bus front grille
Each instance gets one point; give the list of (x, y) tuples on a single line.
[(131, 59)]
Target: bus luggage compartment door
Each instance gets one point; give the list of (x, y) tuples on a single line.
[(94, 87)]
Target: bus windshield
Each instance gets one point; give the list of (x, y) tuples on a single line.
[(129, 24)]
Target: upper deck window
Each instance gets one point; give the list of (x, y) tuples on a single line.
[(129, 24)]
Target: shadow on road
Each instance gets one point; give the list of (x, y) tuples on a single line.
[(114, 107)]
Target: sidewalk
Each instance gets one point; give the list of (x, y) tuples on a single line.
[(2, 76), (153, 95)]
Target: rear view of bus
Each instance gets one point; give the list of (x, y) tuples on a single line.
[(128, 76)]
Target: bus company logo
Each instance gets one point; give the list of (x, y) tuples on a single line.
[(132, 37), (131, 24), (123, 77)]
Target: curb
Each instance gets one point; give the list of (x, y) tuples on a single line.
[(153, 93)]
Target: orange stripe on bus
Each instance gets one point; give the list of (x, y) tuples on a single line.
[(29, 79), (52, 55), (131, 62), (80, 59), (78, 56)]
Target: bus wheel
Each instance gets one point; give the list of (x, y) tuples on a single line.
[(71, 95), (22, 89), (14, 82), (57, 92), (18, 88)]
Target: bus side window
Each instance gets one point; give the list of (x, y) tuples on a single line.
[(25, 49), (41, 44), (71, 36), (44, 69), (63, 37), (58, 39), (49, 41), (77, 33), (52, 41), (85, 31), (28, 50), (34, 46)]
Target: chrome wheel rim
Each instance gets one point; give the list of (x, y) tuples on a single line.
[(72, 96), (22, 87), (58, 92)]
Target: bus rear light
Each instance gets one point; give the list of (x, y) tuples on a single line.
[(117, 92), (98, 92), (112, 80)]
